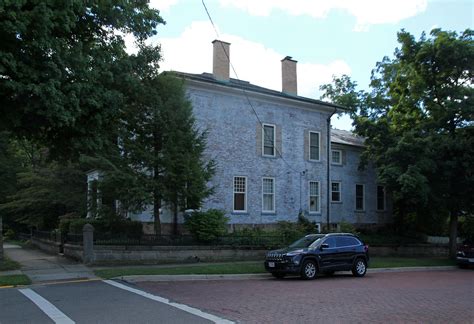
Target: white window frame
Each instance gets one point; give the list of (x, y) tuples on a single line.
[(234, 192), (384, 198), (363, 197), (318, 211), (273, 194), (263, 140), (340, 192), (340, 157), (309, 146)]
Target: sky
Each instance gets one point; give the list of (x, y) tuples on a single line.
[(326, 37)]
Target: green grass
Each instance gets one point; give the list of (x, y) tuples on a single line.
[(8, 264), (257, 267), (14, 280), (233, 268)]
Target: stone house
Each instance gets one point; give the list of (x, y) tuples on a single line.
[(272, 150)]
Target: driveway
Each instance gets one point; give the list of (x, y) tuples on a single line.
[(404, 297)]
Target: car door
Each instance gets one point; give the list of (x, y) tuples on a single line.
[(347, 249), (327, 255)]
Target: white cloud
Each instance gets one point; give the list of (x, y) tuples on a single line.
[(162, 5), (192, 52), (366, 12)]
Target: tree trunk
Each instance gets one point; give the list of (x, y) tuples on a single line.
[(156, 212), (453, 233)]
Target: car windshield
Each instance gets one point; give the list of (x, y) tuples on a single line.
[(306, 241)]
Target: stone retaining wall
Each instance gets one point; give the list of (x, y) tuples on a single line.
[(74, 252), (173, 254), (427, 250), (45, 245)]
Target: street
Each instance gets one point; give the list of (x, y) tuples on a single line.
[(391, 297), (90, 302), (397, 297)]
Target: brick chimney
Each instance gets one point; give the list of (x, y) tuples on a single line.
[(220, 60), (288, 74)]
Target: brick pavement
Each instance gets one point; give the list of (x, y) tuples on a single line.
[(408, 297)]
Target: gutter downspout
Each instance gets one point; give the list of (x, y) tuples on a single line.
[(328, 201)]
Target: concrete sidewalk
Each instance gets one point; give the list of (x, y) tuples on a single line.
[(42, 267)]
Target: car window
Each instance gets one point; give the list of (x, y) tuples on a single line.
[(331, 241), (342, 241)]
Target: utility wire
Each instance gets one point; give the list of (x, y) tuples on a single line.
[(246, 95)]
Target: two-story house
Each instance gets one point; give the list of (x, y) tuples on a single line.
[(272, 150)]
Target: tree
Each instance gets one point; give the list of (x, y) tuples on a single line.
[(159, 152), (419, 126), (185, 173), (62, 69)]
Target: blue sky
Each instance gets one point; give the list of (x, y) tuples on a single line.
[(327, 38)]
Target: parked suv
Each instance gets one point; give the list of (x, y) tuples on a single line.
[(320, 253)]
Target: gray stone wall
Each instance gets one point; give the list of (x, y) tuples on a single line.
[(349, 175), (234, 142)]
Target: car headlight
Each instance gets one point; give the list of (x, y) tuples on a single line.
[(295, 258), (460, 254)]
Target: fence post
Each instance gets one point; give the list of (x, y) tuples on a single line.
[(88, 243)]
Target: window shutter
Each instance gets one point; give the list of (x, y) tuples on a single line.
[(259, 139), (306, 145), (278, 142)]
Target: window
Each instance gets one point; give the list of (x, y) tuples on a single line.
[(314, 146), (360, 197), (268, 195), (331, 241), (314, 197), (380, 198), (335, 191), (336, 157), (344, 241), (268, 140), (240, 194)]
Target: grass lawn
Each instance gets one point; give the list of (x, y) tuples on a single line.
[(8, 264), (257, 267), (14, 280)]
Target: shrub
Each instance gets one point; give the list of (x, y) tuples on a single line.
[(125, 228), (207, 226), (346, 227)]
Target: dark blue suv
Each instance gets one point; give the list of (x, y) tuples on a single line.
[(320, 253)]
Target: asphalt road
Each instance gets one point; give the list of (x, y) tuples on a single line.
[(92, 302), (395, 297)]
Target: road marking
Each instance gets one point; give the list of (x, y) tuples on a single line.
[(49, 309), (185, 308)]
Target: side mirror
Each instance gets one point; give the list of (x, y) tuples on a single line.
[(324, 246)]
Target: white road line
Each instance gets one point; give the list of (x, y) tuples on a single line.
[(49, 309), (185, 308)]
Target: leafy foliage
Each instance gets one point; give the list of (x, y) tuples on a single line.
[(207, 226), (418, 124), (64, 68)]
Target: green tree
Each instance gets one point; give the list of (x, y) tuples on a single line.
[(63, 67), (418, 124), (159, 156)]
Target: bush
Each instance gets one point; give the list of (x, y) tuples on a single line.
[(207, 226), (348, 228), (124, 228)]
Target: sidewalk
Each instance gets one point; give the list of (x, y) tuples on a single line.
[(42, 267)]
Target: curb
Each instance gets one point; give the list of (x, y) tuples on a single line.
[(252, 276)]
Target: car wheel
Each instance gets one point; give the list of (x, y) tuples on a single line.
[(309, 270), (278, 275), (360, 268)]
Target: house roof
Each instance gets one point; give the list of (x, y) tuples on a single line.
[(247, 86), (340, 136)]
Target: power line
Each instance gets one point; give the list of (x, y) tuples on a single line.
[(245, 92)]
